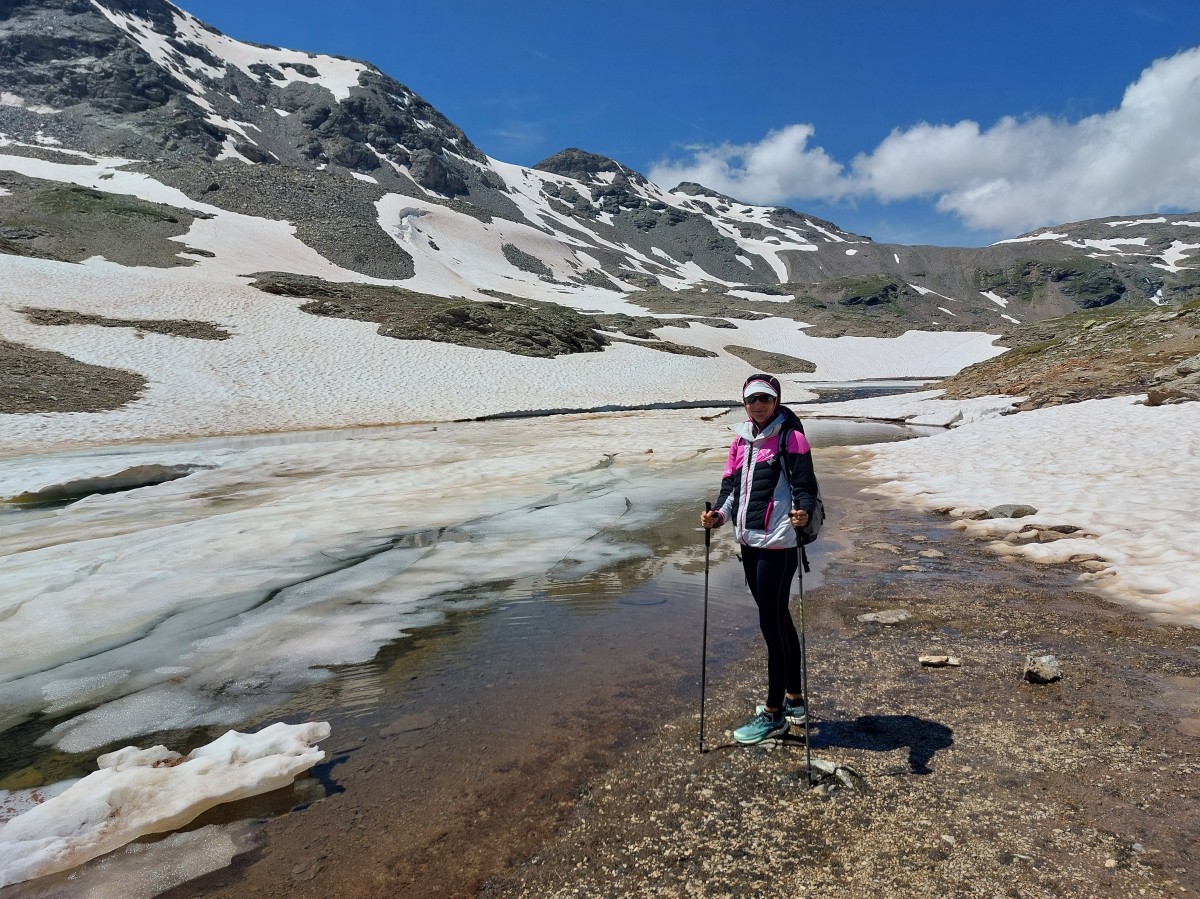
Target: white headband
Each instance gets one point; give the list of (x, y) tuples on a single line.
[(759, 387)]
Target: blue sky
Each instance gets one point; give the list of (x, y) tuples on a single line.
[(937, 122)]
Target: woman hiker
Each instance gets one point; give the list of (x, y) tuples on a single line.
[(768, 494)]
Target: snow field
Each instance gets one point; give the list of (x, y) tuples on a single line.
[(284, 369), (1119, 470)]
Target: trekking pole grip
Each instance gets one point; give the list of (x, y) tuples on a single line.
[(707, 531)]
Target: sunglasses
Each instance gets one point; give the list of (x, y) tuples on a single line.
[(765, 399)]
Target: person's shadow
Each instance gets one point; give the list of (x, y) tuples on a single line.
[(883, 733)]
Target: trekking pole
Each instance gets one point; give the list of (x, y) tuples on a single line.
[(704, 642), (804, 661)]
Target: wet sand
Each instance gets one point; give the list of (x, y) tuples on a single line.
[(492, 756)]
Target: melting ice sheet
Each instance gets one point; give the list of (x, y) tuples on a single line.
[(212, 598), (141, 791)]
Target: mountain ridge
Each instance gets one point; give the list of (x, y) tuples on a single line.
[(386, 189)]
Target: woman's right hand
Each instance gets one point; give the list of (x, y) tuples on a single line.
[(709, 519)]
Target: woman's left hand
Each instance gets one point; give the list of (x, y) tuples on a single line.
[(798, 517)]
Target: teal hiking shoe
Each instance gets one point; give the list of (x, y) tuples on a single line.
[(762, 726), (794, 712)]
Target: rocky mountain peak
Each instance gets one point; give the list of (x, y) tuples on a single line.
[(145, 79), (692, 189), (584, 166)]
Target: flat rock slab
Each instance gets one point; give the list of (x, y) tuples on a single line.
[(940, 661), (888, 616)]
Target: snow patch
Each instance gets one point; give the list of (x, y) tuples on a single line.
[(1174, 255), (924, 291), (1108, 246), (10, 99), (757, 297), (1127, 223), (1044, 235)]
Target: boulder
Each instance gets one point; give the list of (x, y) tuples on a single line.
[(1189, 366), (1042, 669), (1180, 390), (1011, 510)]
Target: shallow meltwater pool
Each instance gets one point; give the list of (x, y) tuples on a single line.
[(415, 586)]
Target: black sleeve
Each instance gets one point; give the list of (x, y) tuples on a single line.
[(803, 480)]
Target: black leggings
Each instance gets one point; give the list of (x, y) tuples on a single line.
[(769, 574)]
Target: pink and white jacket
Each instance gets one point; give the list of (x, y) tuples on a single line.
[(760, 487)]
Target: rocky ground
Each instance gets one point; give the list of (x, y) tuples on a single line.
[(1092, 355), (177, 327), (43, 381), (72, 223), (564, 760), (511, 324), (33, 380), (973, 782)]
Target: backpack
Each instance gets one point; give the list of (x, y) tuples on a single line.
[(812, 529)]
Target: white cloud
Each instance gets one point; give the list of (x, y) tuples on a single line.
[(1143, 156), (781, 165)]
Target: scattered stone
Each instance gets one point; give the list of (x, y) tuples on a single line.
[(886, 547), (932, 554), (829, 776), (920, 538), (940, 661), (1110, 863), (1011, 510), (972, 514), (1042, 669), (910, 568), (888, 616)]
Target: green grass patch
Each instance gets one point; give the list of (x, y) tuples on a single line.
[(77, 200)]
